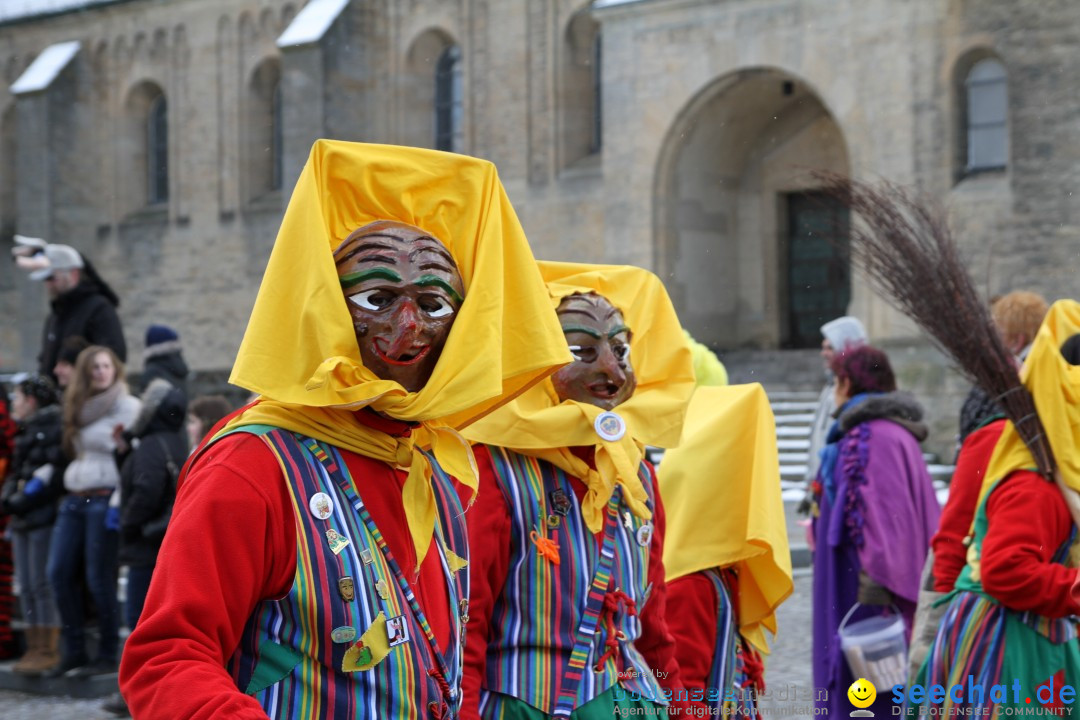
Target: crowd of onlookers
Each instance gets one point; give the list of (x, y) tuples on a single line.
[(89, 472)]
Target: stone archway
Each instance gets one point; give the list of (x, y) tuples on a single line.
[(733, 189)]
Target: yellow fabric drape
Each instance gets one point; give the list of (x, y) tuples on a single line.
[(537, 424), (721, 492), (1055, 386), (300, 351)]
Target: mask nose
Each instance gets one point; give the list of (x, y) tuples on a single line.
[(612, 366), (406, 329)]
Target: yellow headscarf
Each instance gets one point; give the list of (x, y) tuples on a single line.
[(728, 459), (537, 424), (300, 351), (1055, 386)]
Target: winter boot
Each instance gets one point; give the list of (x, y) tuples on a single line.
[(49, 653), (31, 659)]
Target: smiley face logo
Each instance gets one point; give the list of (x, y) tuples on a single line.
[(862, 693)]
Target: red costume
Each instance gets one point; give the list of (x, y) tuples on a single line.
[(950, 548), (253, 557)]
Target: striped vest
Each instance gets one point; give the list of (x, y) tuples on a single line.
[(728, 690), (536, 615), (287, 657)]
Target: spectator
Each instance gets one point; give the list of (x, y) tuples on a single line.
[(838, 335), (8, 646), (81, 302), (163, 358), (153, 451), (1017, 316), (29, 495), (204, 412), (96, 401), (876, 513), (65, 361)]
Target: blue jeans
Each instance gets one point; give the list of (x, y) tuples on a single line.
[(80, 538), (31, 556), (138, 583)]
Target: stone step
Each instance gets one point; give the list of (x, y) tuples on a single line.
[(794, 458), (800, 419), (792, 431), (806, 396), (793, 444), (792, 471), (786, 406)]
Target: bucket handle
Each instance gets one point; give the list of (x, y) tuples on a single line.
[(847, 616)]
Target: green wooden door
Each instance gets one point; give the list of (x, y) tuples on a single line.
[(818, 266)]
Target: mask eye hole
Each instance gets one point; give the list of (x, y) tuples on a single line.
[(583, 353), (435, 306), (378, 299)]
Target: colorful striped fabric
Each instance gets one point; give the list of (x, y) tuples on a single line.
[(981, 642), (537, 613), (286, 658), (736, 697)]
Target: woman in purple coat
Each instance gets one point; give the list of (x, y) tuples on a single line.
[(874, 516)]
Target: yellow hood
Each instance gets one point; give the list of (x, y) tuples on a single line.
[(537, 424), (728, 459), (300, 351), (1055, 386)]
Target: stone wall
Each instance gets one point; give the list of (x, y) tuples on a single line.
[(770, 89)]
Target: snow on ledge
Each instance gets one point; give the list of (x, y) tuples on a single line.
[(311, 23), (11, 10), (45, 68)]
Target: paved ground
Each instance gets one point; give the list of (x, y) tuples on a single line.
[(788, 667)]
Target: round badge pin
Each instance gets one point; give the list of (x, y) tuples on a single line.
[(609, 426), (644, 534), (343, 634), (321, 505)]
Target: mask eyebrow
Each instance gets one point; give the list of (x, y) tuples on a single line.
[(581, 329), (352, 279), (435, 281), (437, 248), (579, 311), (617, 330), (364, 246)]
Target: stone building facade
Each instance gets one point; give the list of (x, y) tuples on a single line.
[(674, 134)]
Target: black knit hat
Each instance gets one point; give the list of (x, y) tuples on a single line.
[(40, 388), (70, 349)]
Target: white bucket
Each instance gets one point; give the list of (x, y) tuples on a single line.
[(875, 648)]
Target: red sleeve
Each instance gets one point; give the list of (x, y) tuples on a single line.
[(656, 644), (231, 543), (950, 552), (1016, 565), (489, 562), (691, 618)]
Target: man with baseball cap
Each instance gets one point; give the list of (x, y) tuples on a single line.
[(82, 303)]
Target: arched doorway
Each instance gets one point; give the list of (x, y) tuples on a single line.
[(751, 254)]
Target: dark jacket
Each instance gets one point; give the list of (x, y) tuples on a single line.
[(89, 310), (147, 483), (165, 361), (37, 443)]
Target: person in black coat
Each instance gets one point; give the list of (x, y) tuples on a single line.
[(81, 302), (148, 472), (29, 495), (164, 358)]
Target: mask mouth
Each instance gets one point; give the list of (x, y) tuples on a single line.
[(604, 389), (411, 356)]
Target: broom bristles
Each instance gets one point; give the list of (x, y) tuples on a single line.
[(906, 250)]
